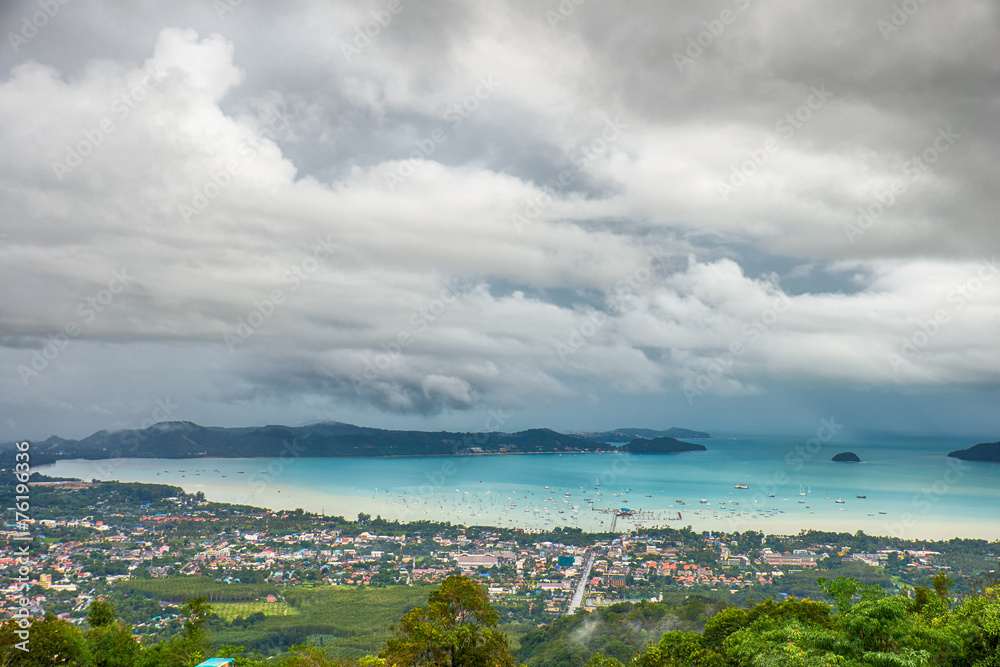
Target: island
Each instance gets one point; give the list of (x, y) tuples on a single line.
[(629, 434), (846, 457), (186, 440), (984, 451), (661, 446)]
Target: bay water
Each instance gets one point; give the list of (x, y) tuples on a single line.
[(911, 488)]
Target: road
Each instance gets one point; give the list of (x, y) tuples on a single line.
[(581, 587)]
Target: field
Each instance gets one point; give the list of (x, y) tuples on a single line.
[(231, 610), (345, 621), (179, 589)]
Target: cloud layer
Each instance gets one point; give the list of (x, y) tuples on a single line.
[(345, 211)]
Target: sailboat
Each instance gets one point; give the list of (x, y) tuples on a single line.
[(801, 492)]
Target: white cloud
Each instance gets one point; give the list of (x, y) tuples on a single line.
[(229, 174)]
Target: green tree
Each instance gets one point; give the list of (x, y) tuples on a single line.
[(101, 613), (457, 628), (111, 643), (50, 642), (190, 647)]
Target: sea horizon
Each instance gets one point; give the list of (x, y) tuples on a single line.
[(911, 488)]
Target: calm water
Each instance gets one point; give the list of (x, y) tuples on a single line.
[(912, 489)]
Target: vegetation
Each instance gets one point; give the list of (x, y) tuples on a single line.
[(866, 627), (984, 451), (179, 589), (620, 631), (458, 626), (186, 440)]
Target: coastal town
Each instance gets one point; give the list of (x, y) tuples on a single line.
[(109, 542)]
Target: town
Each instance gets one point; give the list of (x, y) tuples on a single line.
[(150, 547)]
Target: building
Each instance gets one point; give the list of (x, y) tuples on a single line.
[(476, 560)]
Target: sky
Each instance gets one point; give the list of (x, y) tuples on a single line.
[(737, 216)]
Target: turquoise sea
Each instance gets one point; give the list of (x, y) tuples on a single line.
[(911, 488)]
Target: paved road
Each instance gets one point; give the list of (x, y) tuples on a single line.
[(581, 587)]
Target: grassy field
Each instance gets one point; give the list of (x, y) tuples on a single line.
[(344, 620), (347, 621), (231, 610)]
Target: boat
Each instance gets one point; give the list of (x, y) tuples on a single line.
[(801, 490), (860, 496), (703, 501), (741, 486), (838, 500)]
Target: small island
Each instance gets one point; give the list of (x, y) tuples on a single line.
[(846, 457), (661, 446), (984, 451)]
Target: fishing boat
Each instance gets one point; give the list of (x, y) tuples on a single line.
[(838, 500), (860, 496), (741, 486)]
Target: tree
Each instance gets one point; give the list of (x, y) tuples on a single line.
[(101, 613), (111, 643), (190, 646), (457, 628), (51, 642)]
